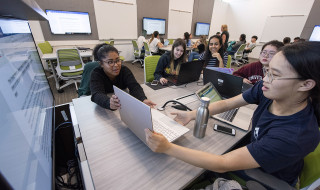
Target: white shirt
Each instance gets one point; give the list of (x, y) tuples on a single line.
[(140, 41), (153, 46)]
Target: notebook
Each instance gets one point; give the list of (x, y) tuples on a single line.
[(239, 117), (139, 116), (189, 72), (227, 85)]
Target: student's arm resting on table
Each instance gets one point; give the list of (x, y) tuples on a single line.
[(160, 45), (218, 163), (242, 72), (159, 73)]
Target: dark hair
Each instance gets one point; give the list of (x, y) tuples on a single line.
[(274, 43), (304, 57), (256, 37), (243, 38), (286, 40), (186, 36), (207, 55), (101, 51), (296, 38), (154, 35)]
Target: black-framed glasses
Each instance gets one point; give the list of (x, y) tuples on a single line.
[(272, 78), (111, 63), (269, 54)]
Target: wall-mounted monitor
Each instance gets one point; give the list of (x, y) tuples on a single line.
[(27, 111), (315, 35), (68, 22), (154, 24), (202, 28)]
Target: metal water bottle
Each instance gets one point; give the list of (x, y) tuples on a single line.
[(202, 117)]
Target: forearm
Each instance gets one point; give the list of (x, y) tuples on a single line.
[(101, 99)]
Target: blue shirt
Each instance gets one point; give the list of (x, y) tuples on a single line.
[(279, 143)]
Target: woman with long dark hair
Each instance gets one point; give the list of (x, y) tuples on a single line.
[(214, 56)]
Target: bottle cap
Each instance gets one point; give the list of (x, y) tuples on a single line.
[(205, 101)]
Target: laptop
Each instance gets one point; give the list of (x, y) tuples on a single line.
[(246, 86), (239, 117), (227, 85), (146, 117), (189, 72), (166, 43)]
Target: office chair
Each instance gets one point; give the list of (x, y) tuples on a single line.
[(238, 55), (137, 53), (84, 88), (245, 58), (229, 61), (69, 67), (111, 42), (46, 48), (171, 41), (146, 49), (150, 64)]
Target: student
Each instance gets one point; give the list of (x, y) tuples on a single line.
[(201, 45), (112, 72), (296, 39), (253, 72), (251, 45), (214, 55), (236, 46), (155, 44), (286, 40), (225, 36), (284, 125), (169, 63), (141, 39), (187, 38)]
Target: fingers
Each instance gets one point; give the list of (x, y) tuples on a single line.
[(114, 102), (163, 81)]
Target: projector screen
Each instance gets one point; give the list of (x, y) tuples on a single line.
[(67, 22), (202, 28), (315, 35), (154, 24)]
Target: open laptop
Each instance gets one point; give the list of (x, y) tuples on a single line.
[(189, 72), (139, 116), (227, 85), (166, 43), (239, 117)]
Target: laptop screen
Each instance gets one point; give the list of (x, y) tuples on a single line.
[(210, 92)]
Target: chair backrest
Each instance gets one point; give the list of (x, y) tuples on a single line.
[(171, 41), (238, 55), (45, 47), (110, 42), (311, 169), (136, 50), (150, 64), (69, 62), (84, 88), (147, 50), (229, 61)]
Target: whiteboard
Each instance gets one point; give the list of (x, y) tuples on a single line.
[(179, 23), (279, 27), (116, 20)]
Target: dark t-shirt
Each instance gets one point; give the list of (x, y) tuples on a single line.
[(279, 143), (227, 39), (100, 85), (163, 66)]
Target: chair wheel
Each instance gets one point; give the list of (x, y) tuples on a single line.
[(60, 90)]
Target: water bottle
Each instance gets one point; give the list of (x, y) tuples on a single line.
[(200, 125)]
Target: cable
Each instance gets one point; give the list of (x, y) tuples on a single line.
[(67, 122), (162, 108)]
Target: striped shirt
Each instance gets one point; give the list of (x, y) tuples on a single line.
[(213, 62)]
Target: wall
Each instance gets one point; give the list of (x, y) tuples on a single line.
[(202, 12), (313, 19)]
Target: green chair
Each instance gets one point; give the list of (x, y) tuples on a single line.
[(171, 41), (146, 49), (84, 88), (137, 53), (229, 61), (238, 55), (45, 47), (69, 67), (110, 42), (150, 64)]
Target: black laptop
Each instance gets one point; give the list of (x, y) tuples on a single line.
[(189, 72), (227, 85)]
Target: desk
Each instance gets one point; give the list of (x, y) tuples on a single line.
[(119, 160)]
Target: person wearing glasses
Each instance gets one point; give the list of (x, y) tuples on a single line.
[(284, 125), (252, 73), (112, 72)]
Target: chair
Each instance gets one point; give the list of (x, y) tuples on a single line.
[(171, 41), (245, 55), (229, 61), (147, 50), (137, 53), (238, 55), (84, 88), (69, 67), (150, 64), (110, 42), (46, 48)]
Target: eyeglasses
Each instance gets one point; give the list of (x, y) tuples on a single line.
[(111, 63), (272, 78), (268, 54)]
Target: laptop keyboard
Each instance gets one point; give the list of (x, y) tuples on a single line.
[(171, 134), (228, 115)]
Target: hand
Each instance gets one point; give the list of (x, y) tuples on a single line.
[(149, 103), (114, 102), (163, 81), (156, 141), (246, 81), (183, 117), (217, 55)]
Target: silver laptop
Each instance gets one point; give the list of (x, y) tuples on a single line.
[(139, 116), (239, 117)]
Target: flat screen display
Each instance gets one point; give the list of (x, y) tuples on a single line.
[(154, 24), (315, 35), (202, 28), (27, 111), (68, 22)]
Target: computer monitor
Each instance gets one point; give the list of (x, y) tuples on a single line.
[(154, 24), (315, 35), (202, 28), (68, 22), (27, 111)]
